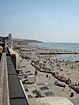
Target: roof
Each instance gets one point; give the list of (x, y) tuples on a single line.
[(16, 94), (50, 101)]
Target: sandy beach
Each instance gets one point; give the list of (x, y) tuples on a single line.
[(45, 64), (69, 69)]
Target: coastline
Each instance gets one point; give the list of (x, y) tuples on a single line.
[(34, 52), (46, 64)]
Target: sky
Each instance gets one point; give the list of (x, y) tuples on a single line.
[(45, 20)]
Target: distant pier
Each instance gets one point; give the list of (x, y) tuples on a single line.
[(44, 53)]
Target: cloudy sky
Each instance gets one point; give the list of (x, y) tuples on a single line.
[(46, 20)]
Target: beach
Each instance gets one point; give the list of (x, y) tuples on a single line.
[(70, 69), (49, 69)]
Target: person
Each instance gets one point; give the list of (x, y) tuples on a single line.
[(38, 94), (35, 71), (72, 94), (63, 88), (47, 76)]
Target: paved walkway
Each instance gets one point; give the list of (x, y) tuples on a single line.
[(4, 94), (49, 82)]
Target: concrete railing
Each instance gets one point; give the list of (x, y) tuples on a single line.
[(4, 90)]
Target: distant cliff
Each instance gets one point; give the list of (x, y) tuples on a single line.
[(26, 41), (32, 41)]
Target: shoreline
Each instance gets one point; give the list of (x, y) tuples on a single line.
[(46, 65), (70, 68)]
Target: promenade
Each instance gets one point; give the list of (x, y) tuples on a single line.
[(44, 85), (4, 89)]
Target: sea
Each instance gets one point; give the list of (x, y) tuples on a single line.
[(63, 46)]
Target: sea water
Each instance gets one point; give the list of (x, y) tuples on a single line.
[(63, 46)]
